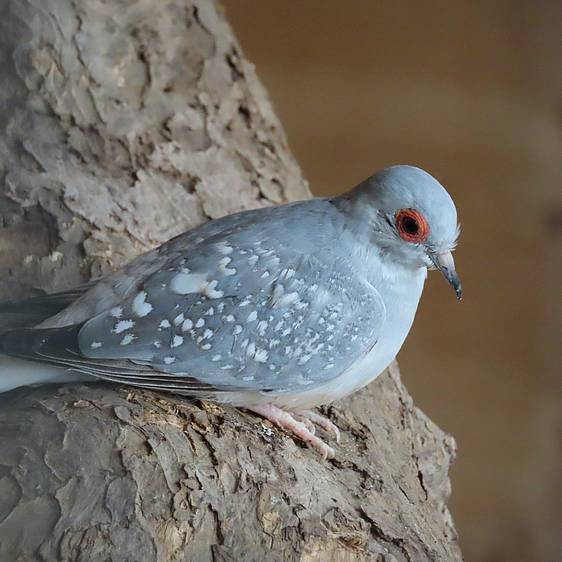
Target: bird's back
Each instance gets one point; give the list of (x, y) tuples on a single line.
[(268, 300)]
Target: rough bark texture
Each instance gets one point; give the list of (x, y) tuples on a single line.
[(124, 123)]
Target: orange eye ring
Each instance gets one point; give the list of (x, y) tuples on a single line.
[(412, 226)]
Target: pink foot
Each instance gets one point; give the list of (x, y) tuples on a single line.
[(286, 421), (321, 421), (310, 426)]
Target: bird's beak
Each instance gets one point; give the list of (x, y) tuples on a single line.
[(444, 262)]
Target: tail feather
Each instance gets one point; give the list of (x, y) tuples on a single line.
[(38, 344), (30, 312), (23, 361), (59, 347), (16, 372), (57, 358)]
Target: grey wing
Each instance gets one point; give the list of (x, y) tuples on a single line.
[(109, 291), (240, 313)]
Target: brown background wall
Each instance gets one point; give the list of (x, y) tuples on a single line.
[(469, 91)]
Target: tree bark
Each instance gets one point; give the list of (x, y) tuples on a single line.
[(123, 124)]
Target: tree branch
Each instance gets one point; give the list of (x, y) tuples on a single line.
[(124, 124)]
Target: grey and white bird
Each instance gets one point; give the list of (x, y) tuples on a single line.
[(276, 310)]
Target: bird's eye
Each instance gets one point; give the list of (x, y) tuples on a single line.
[(411, 226)]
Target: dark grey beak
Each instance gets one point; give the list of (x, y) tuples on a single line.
[(444, 262)]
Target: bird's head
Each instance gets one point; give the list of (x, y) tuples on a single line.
[(410, 216)]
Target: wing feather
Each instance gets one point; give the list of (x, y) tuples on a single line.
[(248, 303), (244, 313)]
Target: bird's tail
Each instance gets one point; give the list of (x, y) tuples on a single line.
[(23, 361), (15, 372)]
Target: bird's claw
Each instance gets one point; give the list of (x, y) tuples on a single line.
[(321, 421), (307, 421), (301, 429)]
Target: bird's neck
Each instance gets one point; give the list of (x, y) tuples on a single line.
[(358, 215), (373, 252)]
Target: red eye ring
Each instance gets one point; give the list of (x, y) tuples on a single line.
[(412, 226)]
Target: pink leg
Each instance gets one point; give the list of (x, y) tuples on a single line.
[(321, 421), (286, 421)]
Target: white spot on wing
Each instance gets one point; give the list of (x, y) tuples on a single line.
[(252, 317), (165, 324), (187, 325), (168, 360), (122, 325), (200, 323), (261, 356), (140, 306), (116, 312), (288, 299), (223, 266), (210, 291), (127, 339), (176, 341), (96, 344), (185, 283)]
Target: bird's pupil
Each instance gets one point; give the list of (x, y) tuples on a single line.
[(410, 225)]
